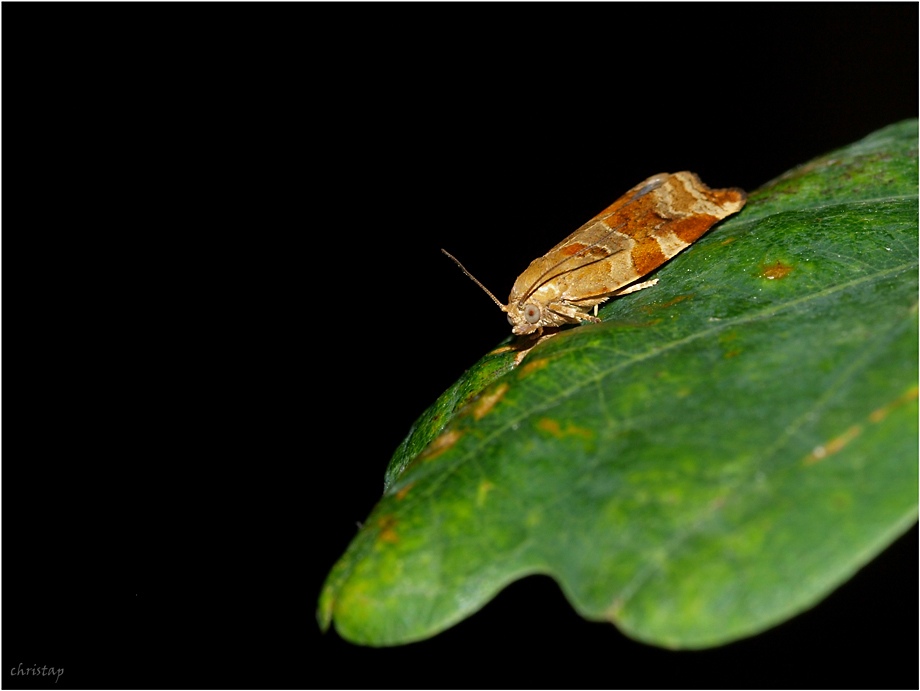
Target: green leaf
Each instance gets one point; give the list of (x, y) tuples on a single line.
[(718, 455)]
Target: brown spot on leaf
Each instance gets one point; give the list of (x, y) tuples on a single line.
[(733, 353), (727, 240), (775, 271), (833, 446), (679, 298), (401, 494), (387, 533), (882, 413), (440, 445), (488, 401)]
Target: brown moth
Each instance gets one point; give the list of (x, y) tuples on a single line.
[(639, 232)]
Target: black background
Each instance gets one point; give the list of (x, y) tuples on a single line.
[(225, 224)]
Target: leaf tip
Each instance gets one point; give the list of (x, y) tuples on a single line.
[(324, 609)]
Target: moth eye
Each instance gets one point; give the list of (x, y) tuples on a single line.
[(531, 314), (510, 320)]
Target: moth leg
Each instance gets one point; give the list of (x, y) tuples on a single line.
[(634, 288), (572, 313)]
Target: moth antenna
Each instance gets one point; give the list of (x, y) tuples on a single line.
[(476, 281)]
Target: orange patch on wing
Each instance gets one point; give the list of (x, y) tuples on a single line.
[(574, 248), (727, 195), (647, 255), (693, 228)]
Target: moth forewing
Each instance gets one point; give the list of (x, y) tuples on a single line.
[(641, 230)]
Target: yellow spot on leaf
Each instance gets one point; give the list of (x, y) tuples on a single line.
[(488, 401), (727, 240), (355, 598), (550, 426), (833, 446), (554, 428), (614, 610), (775, 271), (532, 366), (484, 487)]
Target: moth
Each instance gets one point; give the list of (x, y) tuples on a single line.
[(605, 257)]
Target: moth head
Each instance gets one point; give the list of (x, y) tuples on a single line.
[(524, 319)]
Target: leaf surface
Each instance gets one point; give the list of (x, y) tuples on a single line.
[(719, 454)]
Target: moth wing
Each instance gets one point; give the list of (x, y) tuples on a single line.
[(586, 233), (641, 230), (592, 242)]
